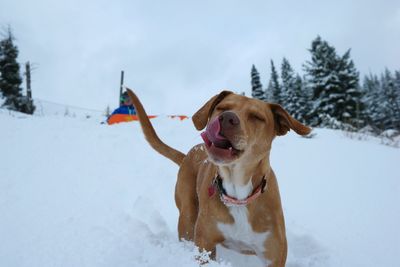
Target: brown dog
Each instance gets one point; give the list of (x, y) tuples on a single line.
[(226, 190)]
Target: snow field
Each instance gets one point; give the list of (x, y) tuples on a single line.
[(74, 192)]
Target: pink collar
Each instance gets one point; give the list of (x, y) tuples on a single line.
[(232, 201)]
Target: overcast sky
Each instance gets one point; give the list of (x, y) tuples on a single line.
[(177, 54)]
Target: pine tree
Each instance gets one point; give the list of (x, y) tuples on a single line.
[(268, 92), (390, 105), (372, 98), (397, 103), (288, 82), (334, 84), (350, 106), (273, 91), (298, 105), (294, 96), (10, 80), (397, 80), (321, 79), (256, 86)]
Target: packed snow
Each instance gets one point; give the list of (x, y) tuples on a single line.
[(74, 192)]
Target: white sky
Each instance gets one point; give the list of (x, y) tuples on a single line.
[(177, 54)]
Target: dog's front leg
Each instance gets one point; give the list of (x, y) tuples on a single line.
[(206, 238), (275, 251)]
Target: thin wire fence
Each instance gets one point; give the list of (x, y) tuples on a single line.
[(46, 107)]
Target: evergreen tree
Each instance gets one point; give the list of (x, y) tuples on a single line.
[(288, 81), (397, 80), (396, 103), (294, 94), (382, 101), (268, 91), (350, 105), (256, 86), (298, 104), (10, 79), (372, 98), (274, 89), (334, 84), (321, 79), (390, 105)]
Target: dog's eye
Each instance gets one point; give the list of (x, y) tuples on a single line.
[(256, 117), (221, 108)]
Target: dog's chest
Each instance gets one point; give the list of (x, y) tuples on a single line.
[(240, 236)]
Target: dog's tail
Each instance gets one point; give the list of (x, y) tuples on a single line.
[(150, 134)]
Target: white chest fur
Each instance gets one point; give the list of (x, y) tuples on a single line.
[(240, 236)]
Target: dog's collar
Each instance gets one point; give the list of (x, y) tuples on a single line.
[(232, 201)]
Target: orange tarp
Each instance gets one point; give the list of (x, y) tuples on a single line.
[(117, 118)]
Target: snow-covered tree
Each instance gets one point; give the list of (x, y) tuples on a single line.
[(10, 79), (396, 101), (321, 79), (287, 89), (273, 91), (256, 86), (334, 83), (350, 106), (390, 105), (372, 98), (397, 86), (298, 101), (382, 101)]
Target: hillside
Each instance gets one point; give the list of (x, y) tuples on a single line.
[(74, 192)]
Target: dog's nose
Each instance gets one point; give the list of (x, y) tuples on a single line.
[(228, 120)]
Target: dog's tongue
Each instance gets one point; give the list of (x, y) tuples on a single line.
[(213, 129), (212, 132)]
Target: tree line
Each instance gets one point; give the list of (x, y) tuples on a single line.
[(330, 93)]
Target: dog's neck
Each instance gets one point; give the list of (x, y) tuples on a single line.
[(239, 180)]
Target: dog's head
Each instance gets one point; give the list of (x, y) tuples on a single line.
[(242, 128)]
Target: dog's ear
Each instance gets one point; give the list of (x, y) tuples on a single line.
[(284, 122), (201, 117)]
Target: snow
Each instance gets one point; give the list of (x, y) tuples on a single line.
[(74, 192)]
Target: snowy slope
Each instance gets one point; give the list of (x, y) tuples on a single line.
[(77, 193)]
